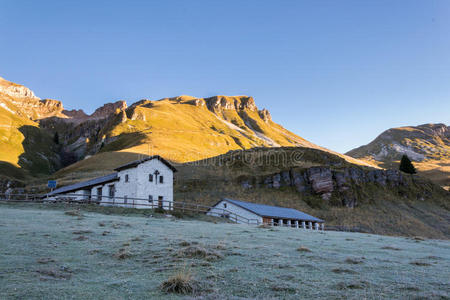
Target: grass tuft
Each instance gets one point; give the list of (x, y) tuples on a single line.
[(420, 263), (181, 282), (199, 252), (123, 253), (74, 213), (353, 261), (391, 248), (343, 271), (303, 249)]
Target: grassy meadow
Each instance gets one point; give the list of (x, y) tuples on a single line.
[(59, 252)]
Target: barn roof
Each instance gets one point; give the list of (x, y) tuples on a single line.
[(273, 211), (139, 161), (84, 184)]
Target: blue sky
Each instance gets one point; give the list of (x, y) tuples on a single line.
[(337, 73)]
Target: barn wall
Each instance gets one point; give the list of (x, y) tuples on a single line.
[(218, 212), (79, 195)]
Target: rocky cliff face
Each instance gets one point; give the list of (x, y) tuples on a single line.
[(76, 114), (109, 109), (342, 184), (15, 90)]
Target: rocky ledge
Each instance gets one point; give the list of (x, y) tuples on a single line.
[(326, 182)]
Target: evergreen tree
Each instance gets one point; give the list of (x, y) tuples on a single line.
[(406, 165), (56, 138)]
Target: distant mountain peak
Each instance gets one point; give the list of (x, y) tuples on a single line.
[(16, 90)]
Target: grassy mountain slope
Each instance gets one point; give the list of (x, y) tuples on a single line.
[(181, 129), (416, 207), (25, 149), (428, 146)]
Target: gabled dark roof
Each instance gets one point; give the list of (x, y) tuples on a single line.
[(85, 184), (137, 162), (274, 211)]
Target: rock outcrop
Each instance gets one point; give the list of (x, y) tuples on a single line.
[(326, 183), (265, 115), (75, 114), (16, 90), (219, 103), (109, 109)]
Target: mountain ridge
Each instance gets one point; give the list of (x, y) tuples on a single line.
[(181, 128), (427, 145)]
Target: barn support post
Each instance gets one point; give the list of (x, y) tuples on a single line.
[(303, 224), (280, 222), (271, 222), (296, 223), (322, 226), (289, 223), (310, 225), (317, 226)]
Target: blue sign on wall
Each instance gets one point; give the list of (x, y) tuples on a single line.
[(51, 184)]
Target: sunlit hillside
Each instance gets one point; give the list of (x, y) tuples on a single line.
[(25, 149), (428, 146)]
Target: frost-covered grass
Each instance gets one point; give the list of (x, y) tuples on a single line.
[(47, 254)]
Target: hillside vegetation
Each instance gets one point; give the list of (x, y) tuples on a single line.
[(428, 146), (346, 195), (26, 150)]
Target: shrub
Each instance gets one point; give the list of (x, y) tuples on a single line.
[(406, 165), (159, 210)]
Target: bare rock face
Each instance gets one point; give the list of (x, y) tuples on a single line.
[(196, 102), (108, 109), (327, 183), (265, 115), (123, 116), (321, 179), (219, 103), (299, 182), (15, 90), (36, 109), (137, 114), (75, 114), (50, 106)]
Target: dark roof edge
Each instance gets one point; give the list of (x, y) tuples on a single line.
[(83, 187), (135, 163)]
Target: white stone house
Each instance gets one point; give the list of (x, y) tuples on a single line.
[(253, 213), (146, 183)]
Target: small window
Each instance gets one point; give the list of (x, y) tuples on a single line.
[(150, 198), (161, 179), (225, 205), (126, 178), (150, 177), (125, 199)]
